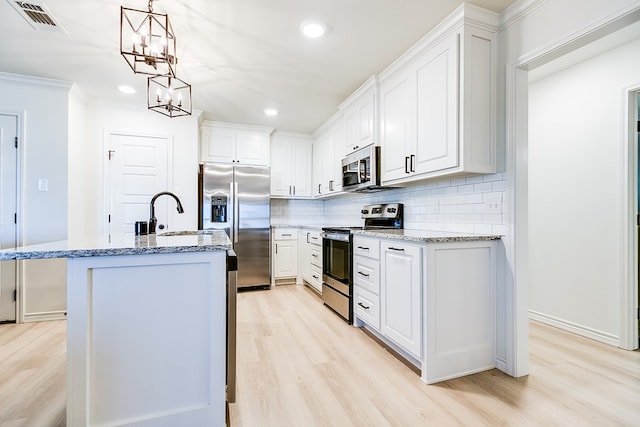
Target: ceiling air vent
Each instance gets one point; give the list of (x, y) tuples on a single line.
[(37, 15)]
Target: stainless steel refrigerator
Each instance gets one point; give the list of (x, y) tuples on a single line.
[(236, 199)]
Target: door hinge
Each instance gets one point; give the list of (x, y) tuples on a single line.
[(109, 219), (638, 313), (638, 124), (16, 141), (15, 295), (15, 218), (111, 152)]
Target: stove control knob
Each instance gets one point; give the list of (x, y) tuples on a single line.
[(364, 211)]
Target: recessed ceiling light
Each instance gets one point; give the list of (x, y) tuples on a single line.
[(271, 111), (126, 89), (313, 29)]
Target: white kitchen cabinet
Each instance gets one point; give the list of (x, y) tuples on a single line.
[(291, 165), (400, 295), (327, 174), (366, 280), (235, 144), (360, 118), (366, 306), (437, 108), (311, 257), (285, 255), (460, 309), (434, 303)]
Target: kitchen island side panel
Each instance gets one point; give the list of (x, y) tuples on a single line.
[(146, 339)]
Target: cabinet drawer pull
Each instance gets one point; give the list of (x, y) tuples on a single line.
[(364, 306), (314, 238), (315, 277), (363, 248), (391, 248), (314, 255), (287, 235), (363, 274)]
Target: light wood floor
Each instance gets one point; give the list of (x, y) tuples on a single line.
[(299, 365)]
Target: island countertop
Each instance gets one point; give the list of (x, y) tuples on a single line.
[(123, 244)]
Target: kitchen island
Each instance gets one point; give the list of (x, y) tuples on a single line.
[(146, 327)]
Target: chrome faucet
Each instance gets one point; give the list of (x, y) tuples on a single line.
[(153, 221)]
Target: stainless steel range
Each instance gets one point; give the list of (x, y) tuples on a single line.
[(337, 259)]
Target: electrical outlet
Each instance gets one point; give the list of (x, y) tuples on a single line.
[(492, 207)]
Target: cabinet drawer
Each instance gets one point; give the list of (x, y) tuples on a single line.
[(366, 274), (314, 237), (366, 246), (316, 257), (367, 307), (285, 233), (316, 277)]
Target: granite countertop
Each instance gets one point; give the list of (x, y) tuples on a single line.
[(124, 244), (427, 236), (308, 226)]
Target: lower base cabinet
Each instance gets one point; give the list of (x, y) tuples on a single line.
[(311, 257), (436, 306), (284, 255), (401, 291)]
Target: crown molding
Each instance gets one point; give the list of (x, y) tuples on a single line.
[(35, 81)]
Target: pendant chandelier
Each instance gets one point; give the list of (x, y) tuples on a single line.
[(148, 44), (169, 96)]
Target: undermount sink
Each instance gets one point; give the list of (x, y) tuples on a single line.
[(188, 233)]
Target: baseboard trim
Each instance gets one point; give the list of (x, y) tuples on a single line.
[(44, 316), (575, 328), (501, 364)]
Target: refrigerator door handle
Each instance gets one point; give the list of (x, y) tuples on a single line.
[(236, 218), (232, 212)]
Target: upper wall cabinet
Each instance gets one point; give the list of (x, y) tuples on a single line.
[(236, 144), (437, 103), (327, 158), (360, 116), (291, 165)]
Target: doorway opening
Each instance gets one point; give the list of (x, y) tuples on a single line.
[(581, 182), (8, 214)]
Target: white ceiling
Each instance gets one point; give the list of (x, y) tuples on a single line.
[(240, 56)]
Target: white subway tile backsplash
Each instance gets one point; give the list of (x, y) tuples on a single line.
[(482, 187), (474, 204)]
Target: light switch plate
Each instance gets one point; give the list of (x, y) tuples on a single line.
[(43, 185)]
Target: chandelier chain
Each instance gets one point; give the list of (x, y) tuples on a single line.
[(150, 5)]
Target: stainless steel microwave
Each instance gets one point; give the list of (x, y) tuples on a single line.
[(361, 170)]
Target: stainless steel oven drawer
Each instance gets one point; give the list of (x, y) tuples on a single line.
[(337, 301)]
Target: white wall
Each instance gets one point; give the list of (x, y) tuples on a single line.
[(43, 215), (576, 206), (88, 162)]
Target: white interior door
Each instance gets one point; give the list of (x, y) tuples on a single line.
[(8, 209), (138, 168)]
